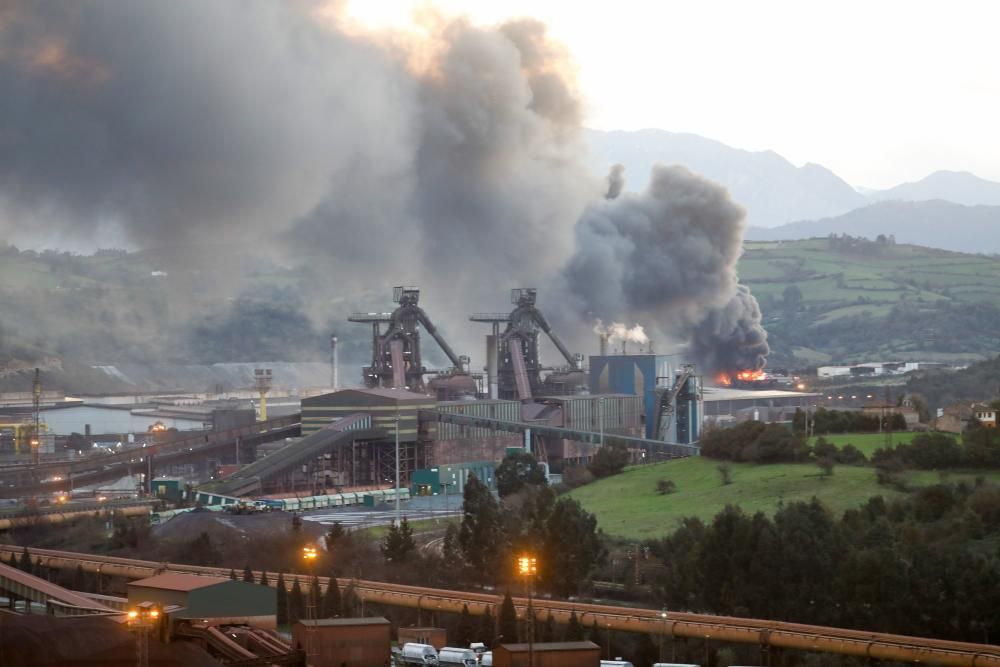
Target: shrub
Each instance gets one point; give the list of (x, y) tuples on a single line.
[(665, 486)]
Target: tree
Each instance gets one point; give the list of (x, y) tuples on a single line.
[(202, 551), (296, 604), (572, 548), (331, 601), (548, 629), (335, 536), (263, 578), (479, 533), (487, 627), (517, 470), (398, 543), (25, 562), (508, 620), (282, 608), (792, 296), (248, 574), (574, 631), (232, 574), (609, 460), (79, 579), (315, 596), (465, 631), (825, 464), (451, 549)]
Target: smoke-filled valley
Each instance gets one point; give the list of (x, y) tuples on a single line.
[(285, 168)]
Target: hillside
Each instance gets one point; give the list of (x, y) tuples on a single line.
[(628, 506), (856, 300), (772, 189), (936, 224)]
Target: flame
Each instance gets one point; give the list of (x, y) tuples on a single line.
[(750, 376), (726, 379)]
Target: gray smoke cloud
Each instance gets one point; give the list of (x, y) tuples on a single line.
[(667, 257), (451, 160)]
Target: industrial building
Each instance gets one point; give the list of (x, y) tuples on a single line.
[(548, 654), (654, 378), (333, 642), (197, 597), (725, 405)]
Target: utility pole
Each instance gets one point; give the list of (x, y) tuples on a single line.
[(397, 466)]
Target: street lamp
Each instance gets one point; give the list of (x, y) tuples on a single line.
[(600, 417), (663, 615), (397, 466), (309, 555), (527, 567)]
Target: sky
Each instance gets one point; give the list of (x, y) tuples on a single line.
[(880, 92)]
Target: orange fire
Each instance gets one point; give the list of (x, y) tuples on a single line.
[(726, 380)]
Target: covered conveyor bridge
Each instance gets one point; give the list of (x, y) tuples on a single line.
[(341, 433)]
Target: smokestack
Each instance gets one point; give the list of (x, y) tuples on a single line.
[(491, 366), (603, 344), (624, 346), (649, 346), (334, 380)]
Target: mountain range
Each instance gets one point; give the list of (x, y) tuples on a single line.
[(947, 209)]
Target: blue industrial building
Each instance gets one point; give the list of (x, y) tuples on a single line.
[(647, 375)]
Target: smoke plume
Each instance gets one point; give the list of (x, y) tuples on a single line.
[(667, 257)]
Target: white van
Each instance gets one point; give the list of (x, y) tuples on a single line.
[(462, 657), (419, 654), (486, 659), (616, 663)]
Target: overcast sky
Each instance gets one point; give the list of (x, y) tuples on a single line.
[(880, 92)]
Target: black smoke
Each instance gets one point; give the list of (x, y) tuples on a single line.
[(667, 258)]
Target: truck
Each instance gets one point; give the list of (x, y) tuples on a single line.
[(461, 657), (419, 654), (486, 659)]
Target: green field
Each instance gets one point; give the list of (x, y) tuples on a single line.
[(628, 506), (866, 442)]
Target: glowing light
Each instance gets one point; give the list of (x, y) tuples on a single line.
[(527, 566)]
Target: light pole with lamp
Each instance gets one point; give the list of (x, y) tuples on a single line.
[(527, 567), (600, 417), (141, 620), (309, 555), (663, 615), (397, 467)]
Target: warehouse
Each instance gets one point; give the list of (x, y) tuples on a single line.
[(359, 642), (207, 598)]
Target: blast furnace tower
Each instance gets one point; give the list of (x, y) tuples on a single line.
[(512, 359), (396, 358)]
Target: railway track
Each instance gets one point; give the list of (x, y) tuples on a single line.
[(764, 633)]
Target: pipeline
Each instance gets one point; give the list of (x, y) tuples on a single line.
[(843, 641), (23, 520)]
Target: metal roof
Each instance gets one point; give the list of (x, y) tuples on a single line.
[(551, 646), (178, 582), (327, 622)]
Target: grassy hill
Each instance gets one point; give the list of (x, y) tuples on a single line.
[(628, 506), (852, 299)]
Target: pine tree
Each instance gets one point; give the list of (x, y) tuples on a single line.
[(79, 579), (296, 605), (574, 631), (465, 631), (282, 609), (595, 634), (13, 560), (263, 578), (488, 628), (232, 574), (480, 529), (25, 563), (315, 597), (398, 543), (248, 574), (331, 601), (39, 570), (547, 631), (508, 620)]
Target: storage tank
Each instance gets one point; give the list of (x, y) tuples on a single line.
[(463, 657), (419, 654)]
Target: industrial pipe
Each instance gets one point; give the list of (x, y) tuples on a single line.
[(798, 636)]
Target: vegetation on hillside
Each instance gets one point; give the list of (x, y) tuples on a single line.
[(847, 299)]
